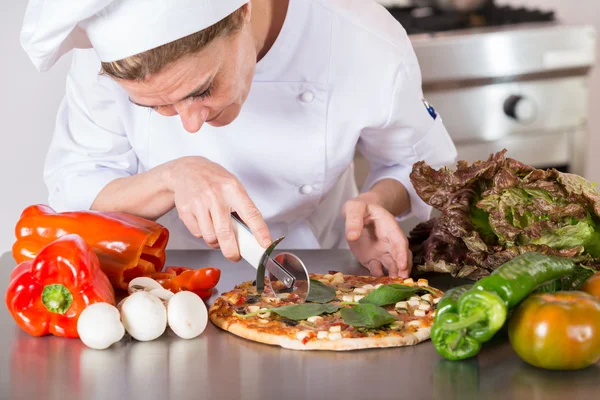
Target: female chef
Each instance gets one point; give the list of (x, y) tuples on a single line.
[(187, 110)]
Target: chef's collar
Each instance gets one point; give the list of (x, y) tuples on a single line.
[(116, 29)]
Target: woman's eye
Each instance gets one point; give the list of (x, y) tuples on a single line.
[(202, 95)]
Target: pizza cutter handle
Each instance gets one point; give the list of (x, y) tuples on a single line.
[(250, 249)]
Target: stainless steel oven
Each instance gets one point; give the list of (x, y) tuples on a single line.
[(504, 77)]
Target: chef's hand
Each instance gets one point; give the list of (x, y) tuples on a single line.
[(205, 194), (375, 238)]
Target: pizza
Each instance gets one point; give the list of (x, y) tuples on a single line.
[(342, 312)]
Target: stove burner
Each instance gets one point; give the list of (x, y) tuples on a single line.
[(430, 20)]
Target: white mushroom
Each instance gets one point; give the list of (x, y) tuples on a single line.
[(144, 316), (163, 294), (142, 284), (187, 315), (99, 326)]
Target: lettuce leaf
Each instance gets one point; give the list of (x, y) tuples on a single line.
[(495, 209)]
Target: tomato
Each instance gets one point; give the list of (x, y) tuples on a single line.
[(592, 285), (557, 331)]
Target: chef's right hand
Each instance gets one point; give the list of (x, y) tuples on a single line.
[(205, 194)]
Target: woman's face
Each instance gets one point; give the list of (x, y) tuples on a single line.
[(210, 86)]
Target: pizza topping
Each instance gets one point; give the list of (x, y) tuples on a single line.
[(422, 282), (428, 298), (314, 319), (397, 325), (320, 293), (253, 309), (367, 315), (289, 322), (335, 328), (358, 298), (334, 336), (402, 304), (337, 279), (322, 335), (425, 307), (348, 299), (414, 303), (234, 298), (415, 323), (437, 300), (303, 311), (361, 290), (392, 293), (409, 282), (301, 335), (419, 313)]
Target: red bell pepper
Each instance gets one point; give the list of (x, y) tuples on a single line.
[(200, 281), (127, 246), (46, 295)]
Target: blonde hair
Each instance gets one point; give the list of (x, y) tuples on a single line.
[(139, 66)]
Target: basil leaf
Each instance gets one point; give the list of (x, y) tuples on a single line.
[(366, 315), (390, 294), (299, 312), (320, 293)]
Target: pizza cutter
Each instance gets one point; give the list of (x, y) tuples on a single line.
[(285, 273)]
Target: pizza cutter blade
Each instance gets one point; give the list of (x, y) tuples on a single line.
[(285, 273)]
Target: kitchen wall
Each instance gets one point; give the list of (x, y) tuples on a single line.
[(27, 112), (30, 101)]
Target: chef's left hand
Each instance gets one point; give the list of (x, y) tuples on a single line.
[(375, 238)]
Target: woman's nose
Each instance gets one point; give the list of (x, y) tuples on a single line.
[(192, 118)]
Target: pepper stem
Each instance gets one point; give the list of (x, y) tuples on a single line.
[(456, 342), (57, 298), (465, 323)]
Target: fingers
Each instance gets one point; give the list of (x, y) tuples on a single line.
[(254, 220), (389, 230), (406, 273), (390, 264), (206, 226), (190, 222), (354, 212), (224, 231), (375, 268)]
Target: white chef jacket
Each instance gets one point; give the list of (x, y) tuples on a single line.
[(342, 74)]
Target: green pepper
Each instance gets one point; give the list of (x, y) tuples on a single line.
[(452, 344), (483, 309), (449, 302)]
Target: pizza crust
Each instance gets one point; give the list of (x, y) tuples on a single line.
[(344, 344)]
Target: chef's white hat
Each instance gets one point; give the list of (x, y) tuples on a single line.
[(114, 28)]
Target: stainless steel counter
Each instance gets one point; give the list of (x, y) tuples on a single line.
[(218, 365)]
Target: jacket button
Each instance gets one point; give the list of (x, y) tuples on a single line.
[(306, 189), (307, 97)]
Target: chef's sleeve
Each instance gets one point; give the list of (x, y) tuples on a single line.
[(90, 147), (413, 132)]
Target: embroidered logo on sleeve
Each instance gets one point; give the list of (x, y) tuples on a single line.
[(430, 109)]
